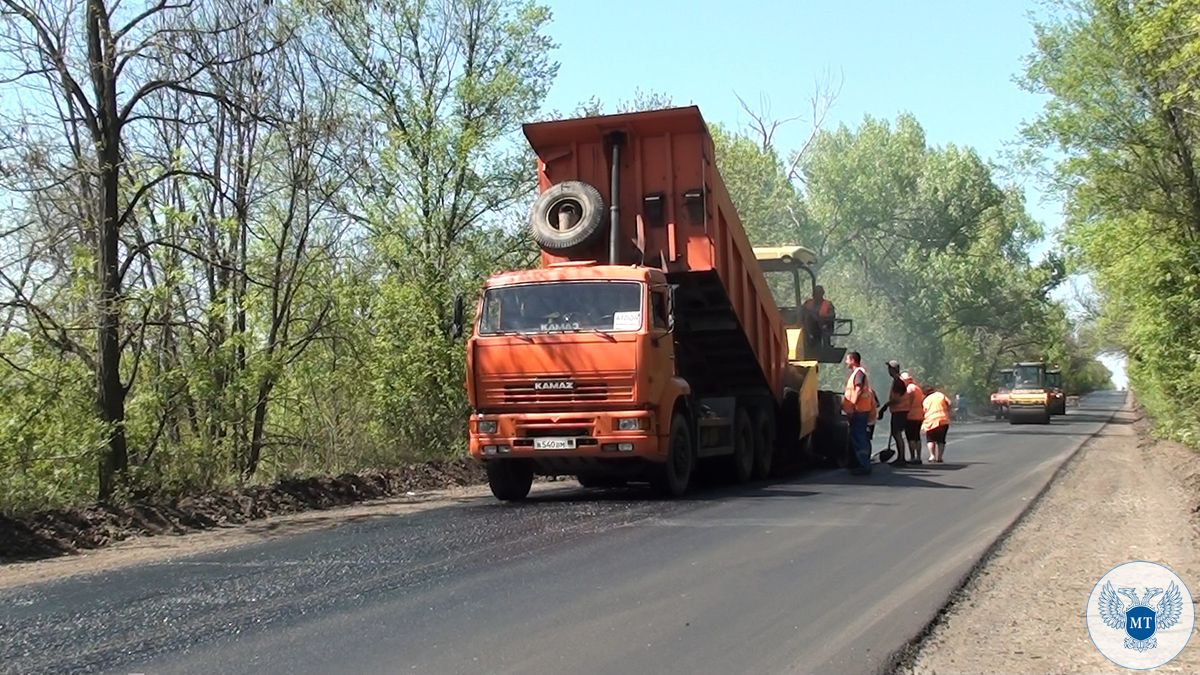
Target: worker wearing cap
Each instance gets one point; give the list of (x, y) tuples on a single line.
[(916, 415), (899, 402)]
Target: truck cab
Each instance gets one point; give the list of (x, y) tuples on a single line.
[(571, 367)]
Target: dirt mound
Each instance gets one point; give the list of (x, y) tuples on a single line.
[(52, 533)]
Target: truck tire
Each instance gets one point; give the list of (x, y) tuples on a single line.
[(567, 216), (672, 478), (509, 480), (764, 446), (745, 447)]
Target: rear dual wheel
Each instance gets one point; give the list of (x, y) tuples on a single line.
[(753, 446)]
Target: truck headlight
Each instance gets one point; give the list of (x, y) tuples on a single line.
[(487, 426), (629, 424)]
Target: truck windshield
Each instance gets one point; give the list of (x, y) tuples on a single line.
[(1006, 379), (1028, 376), (568, 306)]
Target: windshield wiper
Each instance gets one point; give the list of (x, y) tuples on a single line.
[(515, 333), (597, 331)]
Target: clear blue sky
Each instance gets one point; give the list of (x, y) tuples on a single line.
[(952, 64), (949, 63)]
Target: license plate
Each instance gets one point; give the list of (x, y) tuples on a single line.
[(554, 444)]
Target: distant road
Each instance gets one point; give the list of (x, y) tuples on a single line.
[(824, 572)]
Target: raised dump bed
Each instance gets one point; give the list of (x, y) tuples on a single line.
[(673, 213)]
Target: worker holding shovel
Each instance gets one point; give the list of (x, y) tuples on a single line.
[(899, 402)]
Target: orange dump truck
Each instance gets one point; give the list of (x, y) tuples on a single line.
[(649, 339)]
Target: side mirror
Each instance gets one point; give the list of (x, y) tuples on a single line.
[(456, 324)]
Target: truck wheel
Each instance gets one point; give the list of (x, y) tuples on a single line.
[(509, 480), (764, 446), (744, 447), (672, 477), (568, 215)]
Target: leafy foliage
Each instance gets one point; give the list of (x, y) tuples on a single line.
[(918, 244), (1123, 84)]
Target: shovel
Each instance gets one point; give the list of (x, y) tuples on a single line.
[(884, 456)]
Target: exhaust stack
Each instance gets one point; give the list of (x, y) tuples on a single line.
[(616, 139)]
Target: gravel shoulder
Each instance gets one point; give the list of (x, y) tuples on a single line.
[(1122, 497)]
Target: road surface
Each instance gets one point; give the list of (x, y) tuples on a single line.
[(822, 572)]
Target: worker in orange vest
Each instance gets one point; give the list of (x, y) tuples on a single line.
[(899, 403), (858, 402), (936, 423), (916, 414), (820, 314)]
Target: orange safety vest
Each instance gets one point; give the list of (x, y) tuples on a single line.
[(916, 411), (899, 404), (825, 310), (937, 411), (852, 402)]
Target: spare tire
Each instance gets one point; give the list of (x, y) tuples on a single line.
[(567, 216)]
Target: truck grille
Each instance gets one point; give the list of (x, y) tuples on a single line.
[(531, 390)]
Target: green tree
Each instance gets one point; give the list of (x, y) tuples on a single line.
[(1121, 77), (440, 180)]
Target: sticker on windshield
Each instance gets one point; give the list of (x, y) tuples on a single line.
[(627, 320)]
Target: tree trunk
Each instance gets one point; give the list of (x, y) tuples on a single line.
[(110, 392), (260, 421)]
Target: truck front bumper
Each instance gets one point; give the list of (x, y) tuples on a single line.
[(599, 435)]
